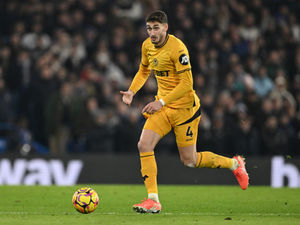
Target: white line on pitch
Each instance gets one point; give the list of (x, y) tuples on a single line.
[(163, 213)]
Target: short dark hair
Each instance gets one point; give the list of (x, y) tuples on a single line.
[(157, 16)]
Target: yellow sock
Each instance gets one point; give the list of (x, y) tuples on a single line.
[(149, 171), (211, 160)]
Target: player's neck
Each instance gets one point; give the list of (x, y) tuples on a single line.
[(162, 42)]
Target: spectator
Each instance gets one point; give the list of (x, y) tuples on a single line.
[(262, 83), (249, 31), (280, 92), (247, 140), (7, 113), (58, 118)]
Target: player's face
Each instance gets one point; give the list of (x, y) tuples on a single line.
[(157, 32)]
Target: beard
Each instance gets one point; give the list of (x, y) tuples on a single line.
[(157, 39)]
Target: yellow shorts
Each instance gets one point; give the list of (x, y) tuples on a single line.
[(184, 122)]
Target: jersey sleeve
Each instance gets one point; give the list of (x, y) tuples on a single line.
[(185, 85), (144, 59), (181, 61), (143, 73), (181, 58)]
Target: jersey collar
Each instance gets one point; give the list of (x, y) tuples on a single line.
[(165, 41)]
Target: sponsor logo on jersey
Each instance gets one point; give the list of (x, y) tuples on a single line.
[(161, 73), (183, 59), (190, 139)]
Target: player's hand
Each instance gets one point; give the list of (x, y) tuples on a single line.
[(127, 96), (152, 107)]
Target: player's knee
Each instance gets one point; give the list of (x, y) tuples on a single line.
[(144, 146)]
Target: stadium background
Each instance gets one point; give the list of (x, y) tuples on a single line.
[(63, 63)]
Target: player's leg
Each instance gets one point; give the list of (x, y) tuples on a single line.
[(155, 128), (146, 145), (191, 158), (186, 137)]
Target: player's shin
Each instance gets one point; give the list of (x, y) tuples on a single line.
[(149, 174), (211, 160)]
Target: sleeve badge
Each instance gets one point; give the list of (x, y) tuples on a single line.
[(183, 59)]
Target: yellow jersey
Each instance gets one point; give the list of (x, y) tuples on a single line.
[(171, 66)]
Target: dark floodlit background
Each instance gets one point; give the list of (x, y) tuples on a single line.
[(63, 63)]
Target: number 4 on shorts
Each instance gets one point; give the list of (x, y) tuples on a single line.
[(189, 132)]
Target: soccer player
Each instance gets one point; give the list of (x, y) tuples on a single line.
[(176, 107)]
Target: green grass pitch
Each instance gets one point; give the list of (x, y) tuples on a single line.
[(40, 205)]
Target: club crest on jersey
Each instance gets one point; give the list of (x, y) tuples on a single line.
[(183, 59), (155, 61)]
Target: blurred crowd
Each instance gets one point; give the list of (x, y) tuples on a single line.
[(63, 63)]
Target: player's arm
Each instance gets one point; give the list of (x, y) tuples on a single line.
[(185, 85), (139, 79), (180, 57)]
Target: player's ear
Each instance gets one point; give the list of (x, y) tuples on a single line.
[(166, 26)]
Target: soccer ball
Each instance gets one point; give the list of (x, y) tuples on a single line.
[(85, 200)]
